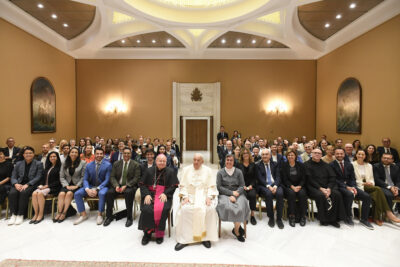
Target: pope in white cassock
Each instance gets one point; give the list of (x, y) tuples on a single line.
[(196, 218)]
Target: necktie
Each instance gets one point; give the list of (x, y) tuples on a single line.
[(342, 167), (97, 171), (124, 173), (269, 181), (388, 178), (119, 156)]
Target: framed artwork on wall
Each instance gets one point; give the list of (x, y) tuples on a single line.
[(348, 107), (43, 106)]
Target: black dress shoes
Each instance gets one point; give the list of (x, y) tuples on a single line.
[(128, 223), (207, 244), (38, 221), (180, 246), (32, 221), (239, 237), (280, 224), (349, 221), (292, 220), (108, 221), (335, 224), (241, 230), (271, 222), (146, 239), (302, 221), (253, 220), (159, 240)]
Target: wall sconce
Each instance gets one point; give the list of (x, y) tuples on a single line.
[(115, 107), (277, 106)]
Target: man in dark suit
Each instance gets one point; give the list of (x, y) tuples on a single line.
[(24, 180), (176, 148), (124, 180), (348, 153), (268, 178), (11, 152), (224, 152), (118, 155), (346, 181), (275, 157), (387, 176), (95, 184), (222, 133), (43, 156), (387, 149)]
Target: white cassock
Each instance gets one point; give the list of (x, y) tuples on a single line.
[(195, 221)]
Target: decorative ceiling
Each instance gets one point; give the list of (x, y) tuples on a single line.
[(198, 29)]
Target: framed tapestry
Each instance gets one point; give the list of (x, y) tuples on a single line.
[(348, 107), (43, 106)]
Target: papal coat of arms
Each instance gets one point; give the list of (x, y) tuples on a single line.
[(196, 95)]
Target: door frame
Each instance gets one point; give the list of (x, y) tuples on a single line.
[(184, 119)]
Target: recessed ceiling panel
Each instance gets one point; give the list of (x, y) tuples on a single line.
[(244, 40), (148, 40), (325, 18), (67, 18)]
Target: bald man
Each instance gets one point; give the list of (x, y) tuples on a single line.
[(157, 188), (197, 219)]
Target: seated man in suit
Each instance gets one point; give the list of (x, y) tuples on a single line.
[(11, 151), (95, 181), (157, 187), (124, 179), (387, 149), (25, 178), (348, 150), (275, 157), (387, 176), (322, 187), (345, 178), (118, 155), (268, 178), (306, 155)]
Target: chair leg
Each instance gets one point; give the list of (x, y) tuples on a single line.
[(30, 208), (169, 224), (134, 209), (52, 207), (259, 208), (312, 210), (7, 209), (245, 228), (308, 209), (284, 212), (219, 228)]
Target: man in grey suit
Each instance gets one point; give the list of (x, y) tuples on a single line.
[(124, 180)]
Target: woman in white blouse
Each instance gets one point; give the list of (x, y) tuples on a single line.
[(365, 181)]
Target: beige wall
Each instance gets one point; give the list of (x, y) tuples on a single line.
[(146, 85), (22, 59), (374, 59)]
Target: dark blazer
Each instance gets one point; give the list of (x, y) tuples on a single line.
[(35, 172), (114, 157), (262, 175), (344, 179), (15, 152), (393, 151), (53, 180), (132, 177), (222, 135), (176, 148), (380, 176), (144, 167), (289, 180), (249, 174), (89, 180), (279, 158)]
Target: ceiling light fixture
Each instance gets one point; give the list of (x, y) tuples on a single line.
[(269, 41), (153, 41), (223, 41), (338, 16), (65, 25), (353, 5), (138, 41), (169, 41), (238, 41), (253, 42), (54, 16), (123, 41), (40, 5), (327, 25)]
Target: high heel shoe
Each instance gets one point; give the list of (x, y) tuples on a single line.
[(62, 215), (55, 219)]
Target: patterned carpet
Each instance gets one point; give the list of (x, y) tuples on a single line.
[(49, 263)]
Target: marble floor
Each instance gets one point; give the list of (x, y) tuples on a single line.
[(312, 245)]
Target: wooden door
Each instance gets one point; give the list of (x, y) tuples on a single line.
[(196, 135)]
